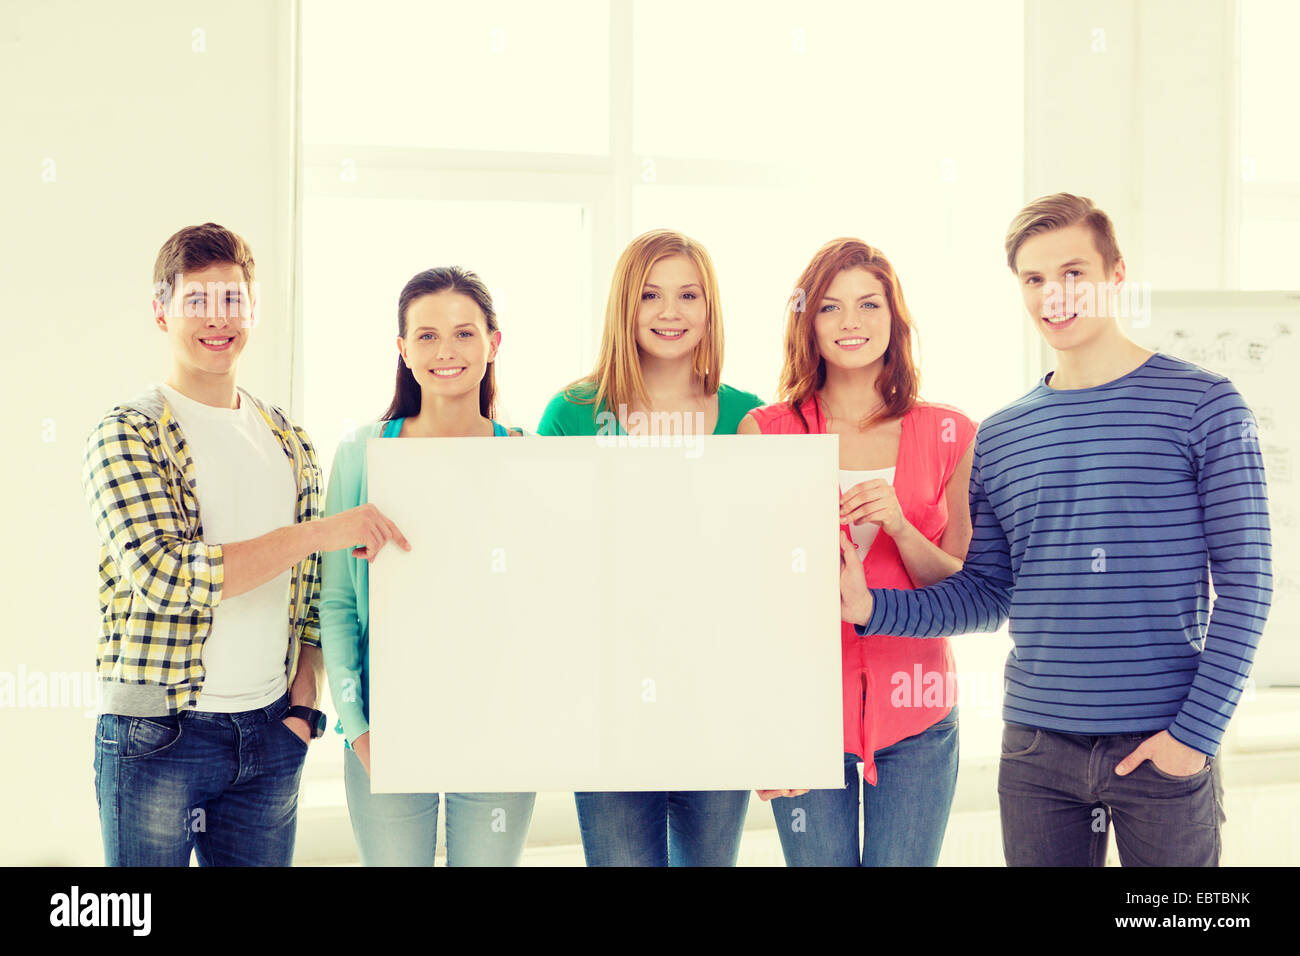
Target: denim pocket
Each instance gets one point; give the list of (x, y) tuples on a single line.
[(147, 736), (949, 721), (106, 730), (1174, 777), (285, 727), (1019, 740)]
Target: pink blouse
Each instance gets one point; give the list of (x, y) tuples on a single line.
[(895, 687)]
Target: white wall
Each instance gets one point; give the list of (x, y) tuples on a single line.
[(143, 134), (139, 134), (1134, 106)]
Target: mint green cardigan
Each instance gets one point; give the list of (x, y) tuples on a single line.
[(345, 587)]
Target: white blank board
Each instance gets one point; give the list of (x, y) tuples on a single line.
[(576, 616)]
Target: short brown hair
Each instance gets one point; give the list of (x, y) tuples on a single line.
[(197, 247), (1060, 211)]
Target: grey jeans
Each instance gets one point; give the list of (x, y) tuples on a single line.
[(1060, 796)]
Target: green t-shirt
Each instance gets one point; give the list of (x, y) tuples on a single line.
[(564, 417)]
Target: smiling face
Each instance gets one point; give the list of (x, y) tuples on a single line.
[(853, 319), (1065, 286), (672, 316), (208, 319), (447, 345)]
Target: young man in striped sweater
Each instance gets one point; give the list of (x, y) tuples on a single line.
[(1102, 502)]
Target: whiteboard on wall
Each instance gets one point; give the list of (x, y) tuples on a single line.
[(1254, 339), (580, 616)]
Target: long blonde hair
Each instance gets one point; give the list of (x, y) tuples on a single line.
[(616, 379)]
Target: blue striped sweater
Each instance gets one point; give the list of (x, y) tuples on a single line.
[(1099, 515)]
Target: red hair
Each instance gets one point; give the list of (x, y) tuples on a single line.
[(804, 369)]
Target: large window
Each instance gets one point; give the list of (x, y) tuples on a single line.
[(494, 75), (530, 143), (1270, 146), (532, 147), (359, 252)]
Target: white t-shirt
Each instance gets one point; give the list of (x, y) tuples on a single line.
[(863, 534), (246, 488)]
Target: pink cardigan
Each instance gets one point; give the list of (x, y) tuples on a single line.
[(883, 668)]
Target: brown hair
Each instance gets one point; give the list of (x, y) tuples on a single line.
[(194, 248), (407, 394), (1060, 211), (616, 379), (804, 369)]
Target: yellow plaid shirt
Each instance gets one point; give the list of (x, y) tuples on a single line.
[(159, 581)]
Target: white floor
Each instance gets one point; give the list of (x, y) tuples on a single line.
[(1260, 762), (1262, 830)]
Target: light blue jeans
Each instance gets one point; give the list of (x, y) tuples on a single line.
[(662, 828), (903, 817), (222, 785), (401, 829)]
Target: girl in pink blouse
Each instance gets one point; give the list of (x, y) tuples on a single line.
[(904, 470)]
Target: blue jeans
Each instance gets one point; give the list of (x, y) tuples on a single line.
[(662, 828), (1060, 796), (904, 815), (222, 785), (401, 829)]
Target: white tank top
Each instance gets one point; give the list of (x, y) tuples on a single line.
[(863, 534)]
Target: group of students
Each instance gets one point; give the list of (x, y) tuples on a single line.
[(1089, 512)]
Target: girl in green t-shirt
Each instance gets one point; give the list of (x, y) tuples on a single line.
[(659, 373)]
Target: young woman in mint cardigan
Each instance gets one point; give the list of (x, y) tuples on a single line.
[(660, 361), (446, 387)]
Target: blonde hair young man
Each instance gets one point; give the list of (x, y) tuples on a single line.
[(1102, 502)]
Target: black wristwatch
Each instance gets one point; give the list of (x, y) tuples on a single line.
[(315, 719)]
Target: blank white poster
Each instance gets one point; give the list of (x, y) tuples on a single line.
[(574, 615)]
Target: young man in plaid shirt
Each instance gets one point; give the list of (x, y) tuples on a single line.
[(207, 501)]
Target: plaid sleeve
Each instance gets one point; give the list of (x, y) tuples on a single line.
[(310, 510), (140, 525)]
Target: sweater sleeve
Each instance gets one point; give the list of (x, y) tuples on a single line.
[(976, 598), (340, 626), (1224, 443)]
